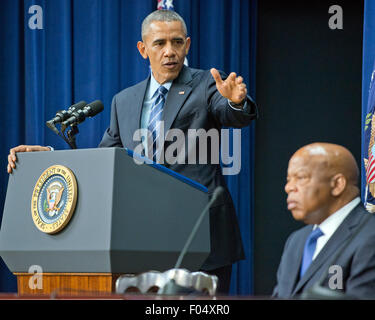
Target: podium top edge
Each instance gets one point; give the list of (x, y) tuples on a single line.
[(147, 162), (166, 170)]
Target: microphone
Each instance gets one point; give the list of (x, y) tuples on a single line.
[(62, 115), (79, 115), (171, 287), (318, 291)]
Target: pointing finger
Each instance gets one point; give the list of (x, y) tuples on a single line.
[(216, 76)]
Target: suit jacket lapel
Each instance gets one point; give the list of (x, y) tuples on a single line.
[(296, 265), (177, 95), (136, 109), (342, 233)]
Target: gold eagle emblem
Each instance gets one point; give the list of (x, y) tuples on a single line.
[(54, 194), (54, 199)]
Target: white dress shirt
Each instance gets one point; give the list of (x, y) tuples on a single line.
[(330, 225)]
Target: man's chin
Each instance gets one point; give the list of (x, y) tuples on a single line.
[(164, 75), (171, 74), (298, 215)]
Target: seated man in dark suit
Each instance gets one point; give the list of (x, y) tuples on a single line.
[(323, 193)]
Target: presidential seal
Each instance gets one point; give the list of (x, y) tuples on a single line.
[(54, 199)]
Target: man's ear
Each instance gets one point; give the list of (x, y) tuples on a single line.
[(188, 42), (338, 184), (142, 49)]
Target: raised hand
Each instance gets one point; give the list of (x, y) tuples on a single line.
[(12, 158), (231, 88)]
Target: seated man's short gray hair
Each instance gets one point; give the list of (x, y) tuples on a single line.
[(162, 15)]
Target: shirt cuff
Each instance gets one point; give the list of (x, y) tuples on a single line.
[(51, 148), (244, 107)]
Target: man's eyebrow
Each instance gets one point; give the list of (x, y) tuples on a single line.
[(158, 40), (163, 40)]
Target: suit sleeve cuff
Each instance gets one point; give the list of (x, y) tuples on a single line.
[(243, 107)]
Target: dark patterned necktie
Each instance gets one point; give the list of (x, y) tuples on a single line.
[(154, 124)]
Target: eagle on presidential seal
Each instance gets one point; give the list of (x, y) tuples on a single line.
[(54, 194)]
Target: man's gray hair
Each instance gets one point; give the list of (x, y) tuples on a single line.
[(162, 15)]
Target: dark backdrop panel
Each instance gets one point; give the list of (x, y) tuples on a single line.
[(309, 89)]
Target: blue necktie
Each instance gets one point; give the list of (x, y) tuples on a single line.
[(154, 122), (309, 250)]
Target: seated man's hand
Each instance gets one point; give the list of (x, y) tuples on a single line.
[(12, 158)]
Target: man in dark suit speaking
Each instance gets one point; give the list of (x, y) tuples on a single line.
[(323, 193), (179, 97)]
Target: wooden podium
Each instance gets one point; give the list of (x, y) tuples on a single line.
[(68, 283), (128, 218)]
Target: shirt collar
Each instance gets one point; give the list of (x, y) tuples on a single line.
[(329, 225), (154, 85)]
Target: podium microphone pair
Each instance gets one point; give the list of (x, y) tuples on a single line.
[(75, 114)]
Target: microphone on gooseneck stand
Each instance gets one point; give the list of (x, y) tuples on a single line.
[(80, 115), (75, 114), (171, 287), (318, 291), (62, 115)]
